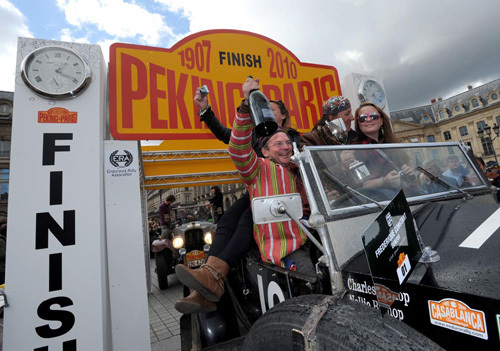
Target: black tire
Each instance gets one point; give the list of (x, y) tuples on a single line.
[(346, 325), (162, 270)]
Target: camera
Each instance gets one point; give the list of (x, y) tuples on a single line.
[(204, 91)]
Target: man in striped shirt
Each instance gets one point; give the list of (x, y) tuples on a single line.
[(279, 243), (272, 175)]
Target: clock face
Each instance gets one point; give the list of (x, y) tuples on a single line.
[(373, 92), (55, 72)]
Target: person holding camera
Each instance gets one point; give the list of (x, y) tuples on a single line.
[(222, 133)]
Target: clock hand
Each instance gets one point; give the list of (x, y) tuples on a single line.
[(68, 76), (59, 70)]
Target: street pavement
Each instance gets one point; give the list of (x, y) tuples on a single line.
[(164, 328)]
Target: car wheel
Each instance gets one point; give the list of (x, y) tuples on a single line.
[(162, 270), (346, 325)]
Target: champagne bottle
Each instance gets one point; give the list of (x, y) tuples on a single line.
[(262, 114)]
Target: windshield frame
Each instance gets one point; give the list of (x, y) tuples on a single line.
[(412, 200)]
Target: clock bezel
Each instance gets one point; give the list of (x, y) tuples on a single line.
[(51, 95), (360, 91)]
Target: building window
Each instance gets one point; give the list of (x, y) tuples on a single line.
[(442, 115), (4, 148), (187, 199), (5, 108), (447, 135), (451, 150), (481, 125), (493, 96), (4, 183), (434, 154), (426, 118), (463, 131), (487, 146), (418, 158), (474, 103), (430, 138)]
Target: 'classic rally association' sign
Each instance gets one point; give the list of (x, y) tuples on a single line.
[(152, 89)]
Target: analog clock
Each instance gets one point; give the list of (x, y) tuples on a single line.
[(56, 72), (370, 90)]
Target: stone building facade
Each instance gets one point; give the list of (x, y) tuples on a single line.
[(6, 108), (459, 117), (188, 196)]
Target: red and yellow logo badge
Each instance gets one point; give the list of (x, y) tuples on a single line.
[(57, 115), (385, 296), (195, 255), (456, 315)]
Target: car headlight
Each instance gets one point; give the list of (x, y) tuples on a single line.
[(207, 237), (178, 242)]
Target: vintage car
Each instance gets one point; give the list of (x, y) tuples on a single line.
[(188, 241), (397, 268)]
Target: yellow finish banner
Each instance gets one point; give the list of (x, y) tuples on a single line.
[(152, 89)]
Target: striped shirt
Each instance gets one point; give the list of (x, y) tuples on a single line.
[(263, 177)]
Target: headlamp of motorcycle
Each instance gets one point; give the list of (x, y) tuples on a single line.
[(178, 242), (207, 237)]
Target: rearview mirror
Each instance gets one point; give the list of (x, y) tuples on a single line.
[(270, 209)]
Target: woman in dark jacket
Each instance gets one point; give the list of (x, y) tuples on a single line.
[(223, 133), (373, 126)]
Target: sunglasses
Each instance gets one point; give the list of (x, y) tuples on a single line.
[(373, 116)]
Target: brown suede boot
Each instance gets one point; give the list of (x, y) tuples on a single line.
[(208, 279), (194, 303)]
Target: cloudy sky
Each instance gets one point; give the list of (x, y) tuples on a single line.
[(421, 49)]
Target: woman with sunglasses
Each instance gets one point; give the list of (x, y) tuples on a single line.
[(374, 127)]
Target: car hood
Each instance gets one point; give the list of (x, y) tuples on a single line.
[(444, 226)]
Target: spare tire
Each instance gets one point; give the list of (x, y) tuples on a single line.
[(346, 325)]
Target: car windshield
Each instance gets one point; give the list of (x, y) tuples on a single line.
[(357, 175), (186, 214)]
